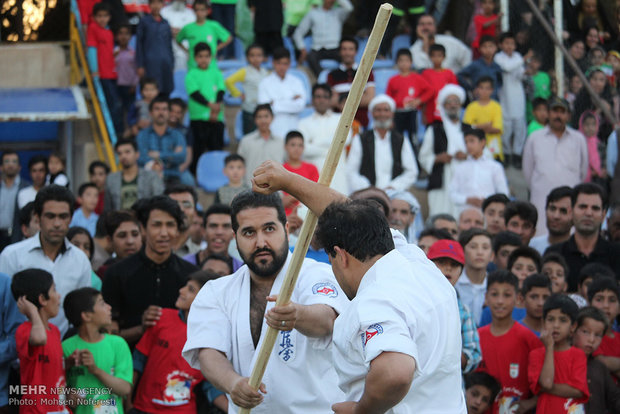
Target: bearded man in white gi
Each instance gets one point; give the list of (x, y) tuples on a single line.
[(229, 317), (397, 346)]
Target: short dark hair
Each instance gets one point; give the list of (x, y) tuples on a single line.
[(559, 193), (495, 198), (524, 209), (78, 301), (554, 257), (485, 79), (99, 7), (180, 189), (484, 380), (356, 226), (293, 134), (504, 238), (147, 80), (164, 203), (589, 188), (98, 164), (263, 107), (25, 214), (478, 133), (439, 234), (126, 141), (253, 46), (281, 53), (233, 157), (179, 102), (217, 208), (226, 259), (322, 86), (32, 283), (487, 39), (61, 157), (506, 35), (161, 98), (114, 219), (205, 3), (539, 102), (82, 188), (201, 47), (36, 159), (535, 280), (203, 276), (249, 199), (440, 216), (503, 276), (404, 52), (75, 230), (562, 302), (595, 270), (373, 194), (466, 236), (53, 192), (100, 228), (592, 313), (437, 47), (602, 284), (525, 251), (349, 39), (8, 152)]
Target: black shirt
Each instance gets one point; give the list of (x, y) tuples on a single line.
[(604, 394), (605, 252), (136, 282)]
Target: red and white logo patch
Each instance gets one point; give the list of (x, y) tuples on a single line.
[(372, 331)]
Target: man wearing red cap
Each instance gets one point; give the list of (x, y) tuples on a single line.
[(449, 257)]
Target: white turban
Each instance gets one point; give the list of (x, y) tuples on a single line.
[(450, 90), (382, 98), (407, 197)]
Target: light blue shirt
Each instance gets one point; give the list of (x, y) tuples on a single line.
[(471, 295), (8, 195), (612, 153), (80, 220)]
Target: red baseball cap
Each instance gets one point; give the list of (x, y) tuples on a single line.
[(447, 248)]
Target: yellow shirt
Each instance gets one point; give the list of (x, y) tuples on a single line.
[(476, 114)]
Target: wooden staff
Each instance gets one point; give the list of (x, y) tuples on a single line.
[(327, 173)]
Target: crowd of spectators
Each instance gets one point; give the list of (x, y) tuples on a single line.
[(111, 269)]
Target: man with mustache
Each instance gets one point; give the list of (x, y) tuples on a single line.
[(554, 156), (403, 209), (229, 318), (559, 214), (381, 157)]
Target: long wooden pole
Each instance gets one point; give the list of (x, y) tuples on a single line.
[(327, 173)]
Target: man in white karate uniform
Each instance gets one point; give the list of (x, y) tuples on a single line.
[(227, 321)]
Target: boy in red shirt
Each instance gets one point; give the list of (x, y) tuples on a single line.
[(38, 342), (437, 77), (165, 381), (294, 147), (506, 345), (485, 24), (558, 372), (100, 43), (410, 91), (604, 294)]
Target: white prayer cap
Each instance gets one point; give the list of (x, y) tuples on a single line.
[(407, 197), (450, 90), (382, 98)]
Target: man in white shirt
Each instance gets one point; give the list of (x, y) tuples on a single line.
[(225, 330), (559, 214), (37, 167), (404, 208), (49, 249), (178, 15), (381, 157), (318, 130), (398, 342), (284, 92)]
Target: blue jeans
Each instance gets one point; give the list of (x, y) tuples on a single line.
[(115, 105)]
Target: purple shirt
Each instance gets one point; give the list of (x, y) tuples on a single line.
[(125, 61)]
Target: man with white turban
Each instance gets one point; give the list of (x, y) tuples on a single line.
[(404, 210), (442, 148), (381, 157)]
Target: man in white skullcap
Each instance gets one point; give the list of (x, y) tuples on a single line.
[(381, 157), (404, 209), (442, 148)]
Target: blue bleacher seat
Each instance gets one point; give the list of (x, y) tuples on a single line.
[(361, 41), (179, 85), (402, 41), (383, 64), (329, 64), (306, 112), (288, 43), (382, 76), (209, 172), (323, 76), (304, 78), (239, 60), (239, 126)]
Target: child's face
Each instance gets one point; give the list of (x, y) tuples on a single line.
[(484, 91), (52, 303), (478, 252), (126, 239), (501, 299), (450, 268), (522, 268), (263, 119), (503, 253), (89, 198), (592, 40), (156, 6), (55, 165), (203, 59), (426, 242), (590, 127), (534, 65), (102, 18), (575, 84), (525, 229), (478, 398), (149, 92), (588, 7), (589, 335), (102, 313), (534, 300), (488, 49), (403, 63), (217, 266), (280, 66), (494, 217), (176, 115), (256, 56), (234, 170), (508, 46), (598, 82), (187, 294), (607, 302), (437, 58), (123, 36), (541, 114), (555, 272), (597, 57), (201, 11), (98, 177), (488, 7), (474, 146), (614, 62), (583, 287), (294, 149), (82, 242), (578, 50), (559, 325)]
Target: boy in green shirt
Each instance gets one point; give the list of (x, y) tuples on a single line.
[(203, 30), (541, 115), (95, 360)]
